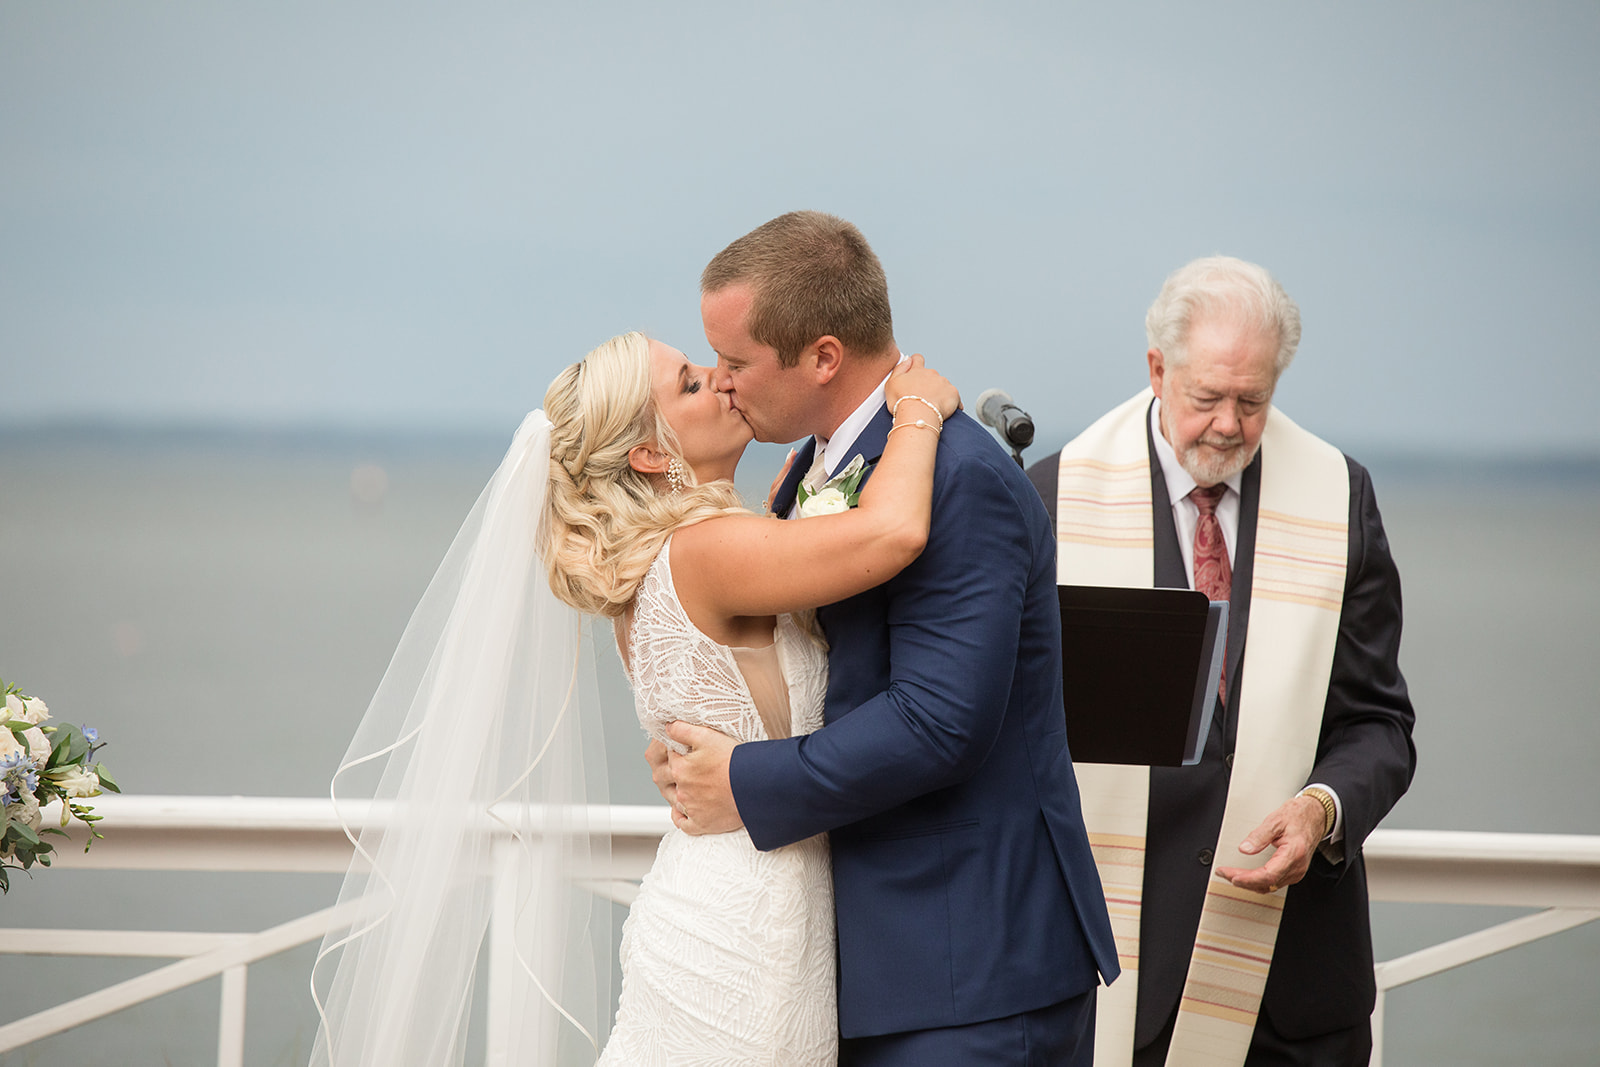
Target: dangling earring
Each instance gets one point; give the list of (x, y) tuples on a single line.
[(674, 476)]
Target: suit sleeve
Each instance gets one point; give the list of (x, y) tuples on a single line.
[(1045, 475), (1366, 752), (954, 619)]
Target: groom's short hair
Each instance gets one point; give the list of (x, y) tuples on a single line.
[(811, 275)]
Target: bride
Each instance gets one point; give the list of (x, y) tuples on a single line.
[(618, 498)]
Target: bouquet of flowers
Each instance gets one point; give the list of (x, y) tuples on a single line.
[(38, 764)]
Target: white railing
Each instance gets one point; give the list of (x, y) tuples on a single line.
[(1557, 873)]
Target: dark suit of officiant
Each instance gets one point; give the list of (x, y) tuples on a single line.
[(1321, 982)]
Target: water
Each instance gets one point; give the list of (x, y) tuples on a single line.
[(222, 605)]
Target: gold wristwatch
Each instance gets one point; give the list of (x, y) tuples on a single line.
[(1330, 810)]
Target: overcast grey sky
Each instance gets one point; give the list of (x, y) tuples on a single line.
[(386, 213)]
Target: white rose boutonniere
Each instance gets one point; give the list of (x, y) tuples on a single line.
[(827, 501), (839, 493)]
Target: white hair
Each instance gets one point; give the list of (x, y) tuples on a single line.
[(1226, 286)]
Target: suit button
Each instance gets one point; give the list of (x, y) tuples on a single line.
[(1228, 759), (1205, 856)]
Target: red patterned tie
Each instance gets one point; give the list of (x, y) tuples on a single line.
[(1213, 574)]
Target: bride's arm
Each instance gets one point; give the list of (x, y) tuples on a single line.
[(749, 565)]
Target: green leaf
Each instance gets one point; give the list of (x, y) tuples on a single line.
[(106, 781), (70, 746), (23, 832)]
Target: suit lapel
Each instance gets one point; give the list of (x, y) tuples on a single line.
[(870, 444), (783, 500), (1244, 554), (1168, 555)]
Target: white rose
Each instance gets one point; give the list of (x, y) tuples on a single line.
[(828, 501), (9, 743), (77, 782), (38, 745), (30, 710), (25, 811)]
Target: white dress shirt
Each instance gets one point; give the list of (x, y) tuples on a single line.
[(1186, 516), (1185, 512), (836, 449)]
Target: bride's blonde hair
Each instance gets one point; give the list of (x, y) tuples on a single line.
[(604, 522)]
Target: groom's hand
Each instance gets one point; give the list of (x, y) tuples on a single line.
[(655, 754), (705, 802)]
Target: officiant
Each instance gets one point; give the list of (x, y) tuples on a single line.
[(1237, 890)]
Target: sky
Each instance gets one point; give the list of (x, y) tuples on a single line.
[(413, 215)]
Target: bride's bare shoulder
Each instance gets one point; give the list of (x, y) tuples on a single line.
[(711, 536)]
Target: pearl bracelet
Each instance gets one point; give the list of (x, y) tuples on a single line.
[(924, 423), (894, 412)]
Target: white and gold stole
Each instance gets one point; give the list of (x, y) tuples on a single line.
[(1105, 536)]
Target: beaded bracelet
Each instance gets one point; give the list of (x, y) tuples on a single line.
[(894, 412)]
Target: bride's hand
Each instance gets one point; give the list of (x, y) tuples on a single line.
[(912, 378), (766, 505)]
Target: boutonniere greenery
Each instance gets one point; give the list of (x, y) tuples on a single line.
[(839, 493)]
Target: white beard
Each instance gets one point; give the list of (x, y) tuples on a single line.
[(1209, 465)]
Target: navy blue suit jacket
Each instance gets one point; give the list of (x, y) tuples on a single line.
[(1321, 978), (964, 885)]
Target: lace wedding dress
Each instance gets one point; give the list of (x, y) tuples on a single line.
[(728, 952)]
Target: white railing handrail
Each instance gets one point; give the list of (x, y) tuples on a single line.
[(1579, 850), (195, 812), (184, 812), (1466, 866), (1556, 872)]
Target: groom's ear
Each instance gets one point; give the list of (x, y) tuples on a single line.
[(646, 459), (826, 357)]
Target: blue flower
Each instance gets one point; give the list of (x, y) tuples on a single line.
[(90, 734), (18, 770)]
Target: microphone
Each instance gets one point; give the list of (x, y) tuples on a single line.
[(1014, 425)]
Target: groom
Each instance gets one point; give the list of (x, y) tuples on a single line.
[(971, 924)]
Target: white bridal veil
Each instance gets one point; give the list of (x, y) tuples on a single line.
[(479, 821)]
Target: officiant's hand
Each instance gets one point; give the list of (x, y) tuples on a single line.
[(705, 798), (1294, 831)]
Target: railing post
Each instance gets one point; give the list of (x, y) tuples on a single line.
[(1377, 1031), (502, 955), (230, 1031)]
